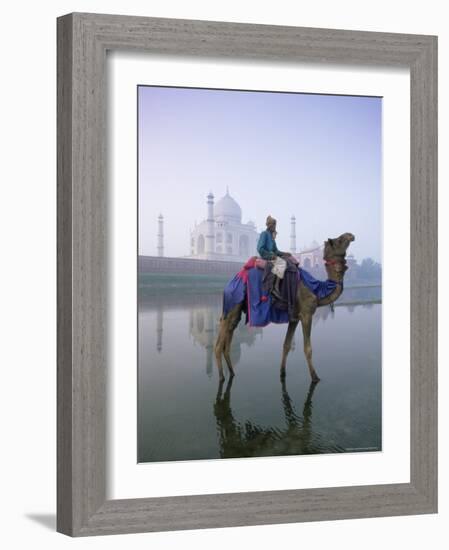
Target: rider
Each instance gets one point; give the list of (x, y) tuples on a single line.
[(267, 249)]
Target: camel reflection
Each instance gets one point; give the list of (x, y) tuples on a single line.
[(247, 439)]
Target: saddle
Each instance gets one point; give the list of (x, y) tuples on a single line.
[(288, 286)]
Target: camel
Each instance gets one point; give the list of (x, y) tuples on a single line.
[(307, 302)]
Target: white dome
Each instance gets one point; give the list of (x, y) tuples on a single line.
[(227, 209)]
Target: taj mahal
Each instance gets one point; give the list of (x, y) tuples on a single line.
[(223, 236)]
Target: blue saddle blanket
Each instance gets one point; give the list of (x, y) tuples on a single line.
[(246, 287)]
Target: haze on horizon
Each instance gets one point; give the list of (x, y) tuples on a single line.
[(318, 157)]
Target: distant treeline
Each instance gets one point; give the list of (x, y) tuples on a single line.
[(186, 283), (368, 271)]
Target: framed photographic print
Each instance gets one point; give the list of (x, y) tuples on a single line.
[(247, 277)]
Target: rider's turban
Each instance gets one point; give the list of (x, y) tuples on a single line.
[(270, 221)]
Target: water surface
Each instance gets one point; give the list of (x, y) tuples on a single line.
[(185, 414)]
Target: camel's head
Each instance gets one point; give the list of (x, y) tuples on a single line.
[(337, 247)]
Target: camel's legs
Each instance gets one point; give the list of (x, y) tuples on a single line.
[(227, 349), (288, 344), (224, 339), (306, 330), (219, 347)]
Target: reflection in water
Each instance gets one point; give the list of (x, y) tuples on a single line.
[(248, 439), (182, 417), (203, 328), (204, 323), (159, 327)]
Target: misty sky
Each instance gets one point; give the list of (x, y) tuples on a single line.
[(315, 156)]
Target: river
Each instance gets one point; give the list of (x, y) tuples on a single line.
[(185, 414)]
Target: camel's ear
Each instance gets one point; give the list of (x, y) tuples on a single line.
[(330, 241)]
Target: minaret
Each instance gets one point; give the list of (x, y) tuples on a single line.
[(210, 237), (293, 235), (160, 235)]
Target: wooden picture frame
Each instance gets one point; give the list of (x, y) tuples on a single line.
[(83, 40)]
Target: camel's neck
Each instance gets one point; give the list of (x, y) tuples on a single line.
[(335, 268), (334, 295)]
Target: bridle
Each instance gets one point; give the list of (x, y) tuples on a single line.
[(333, 262), (330, 262)]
